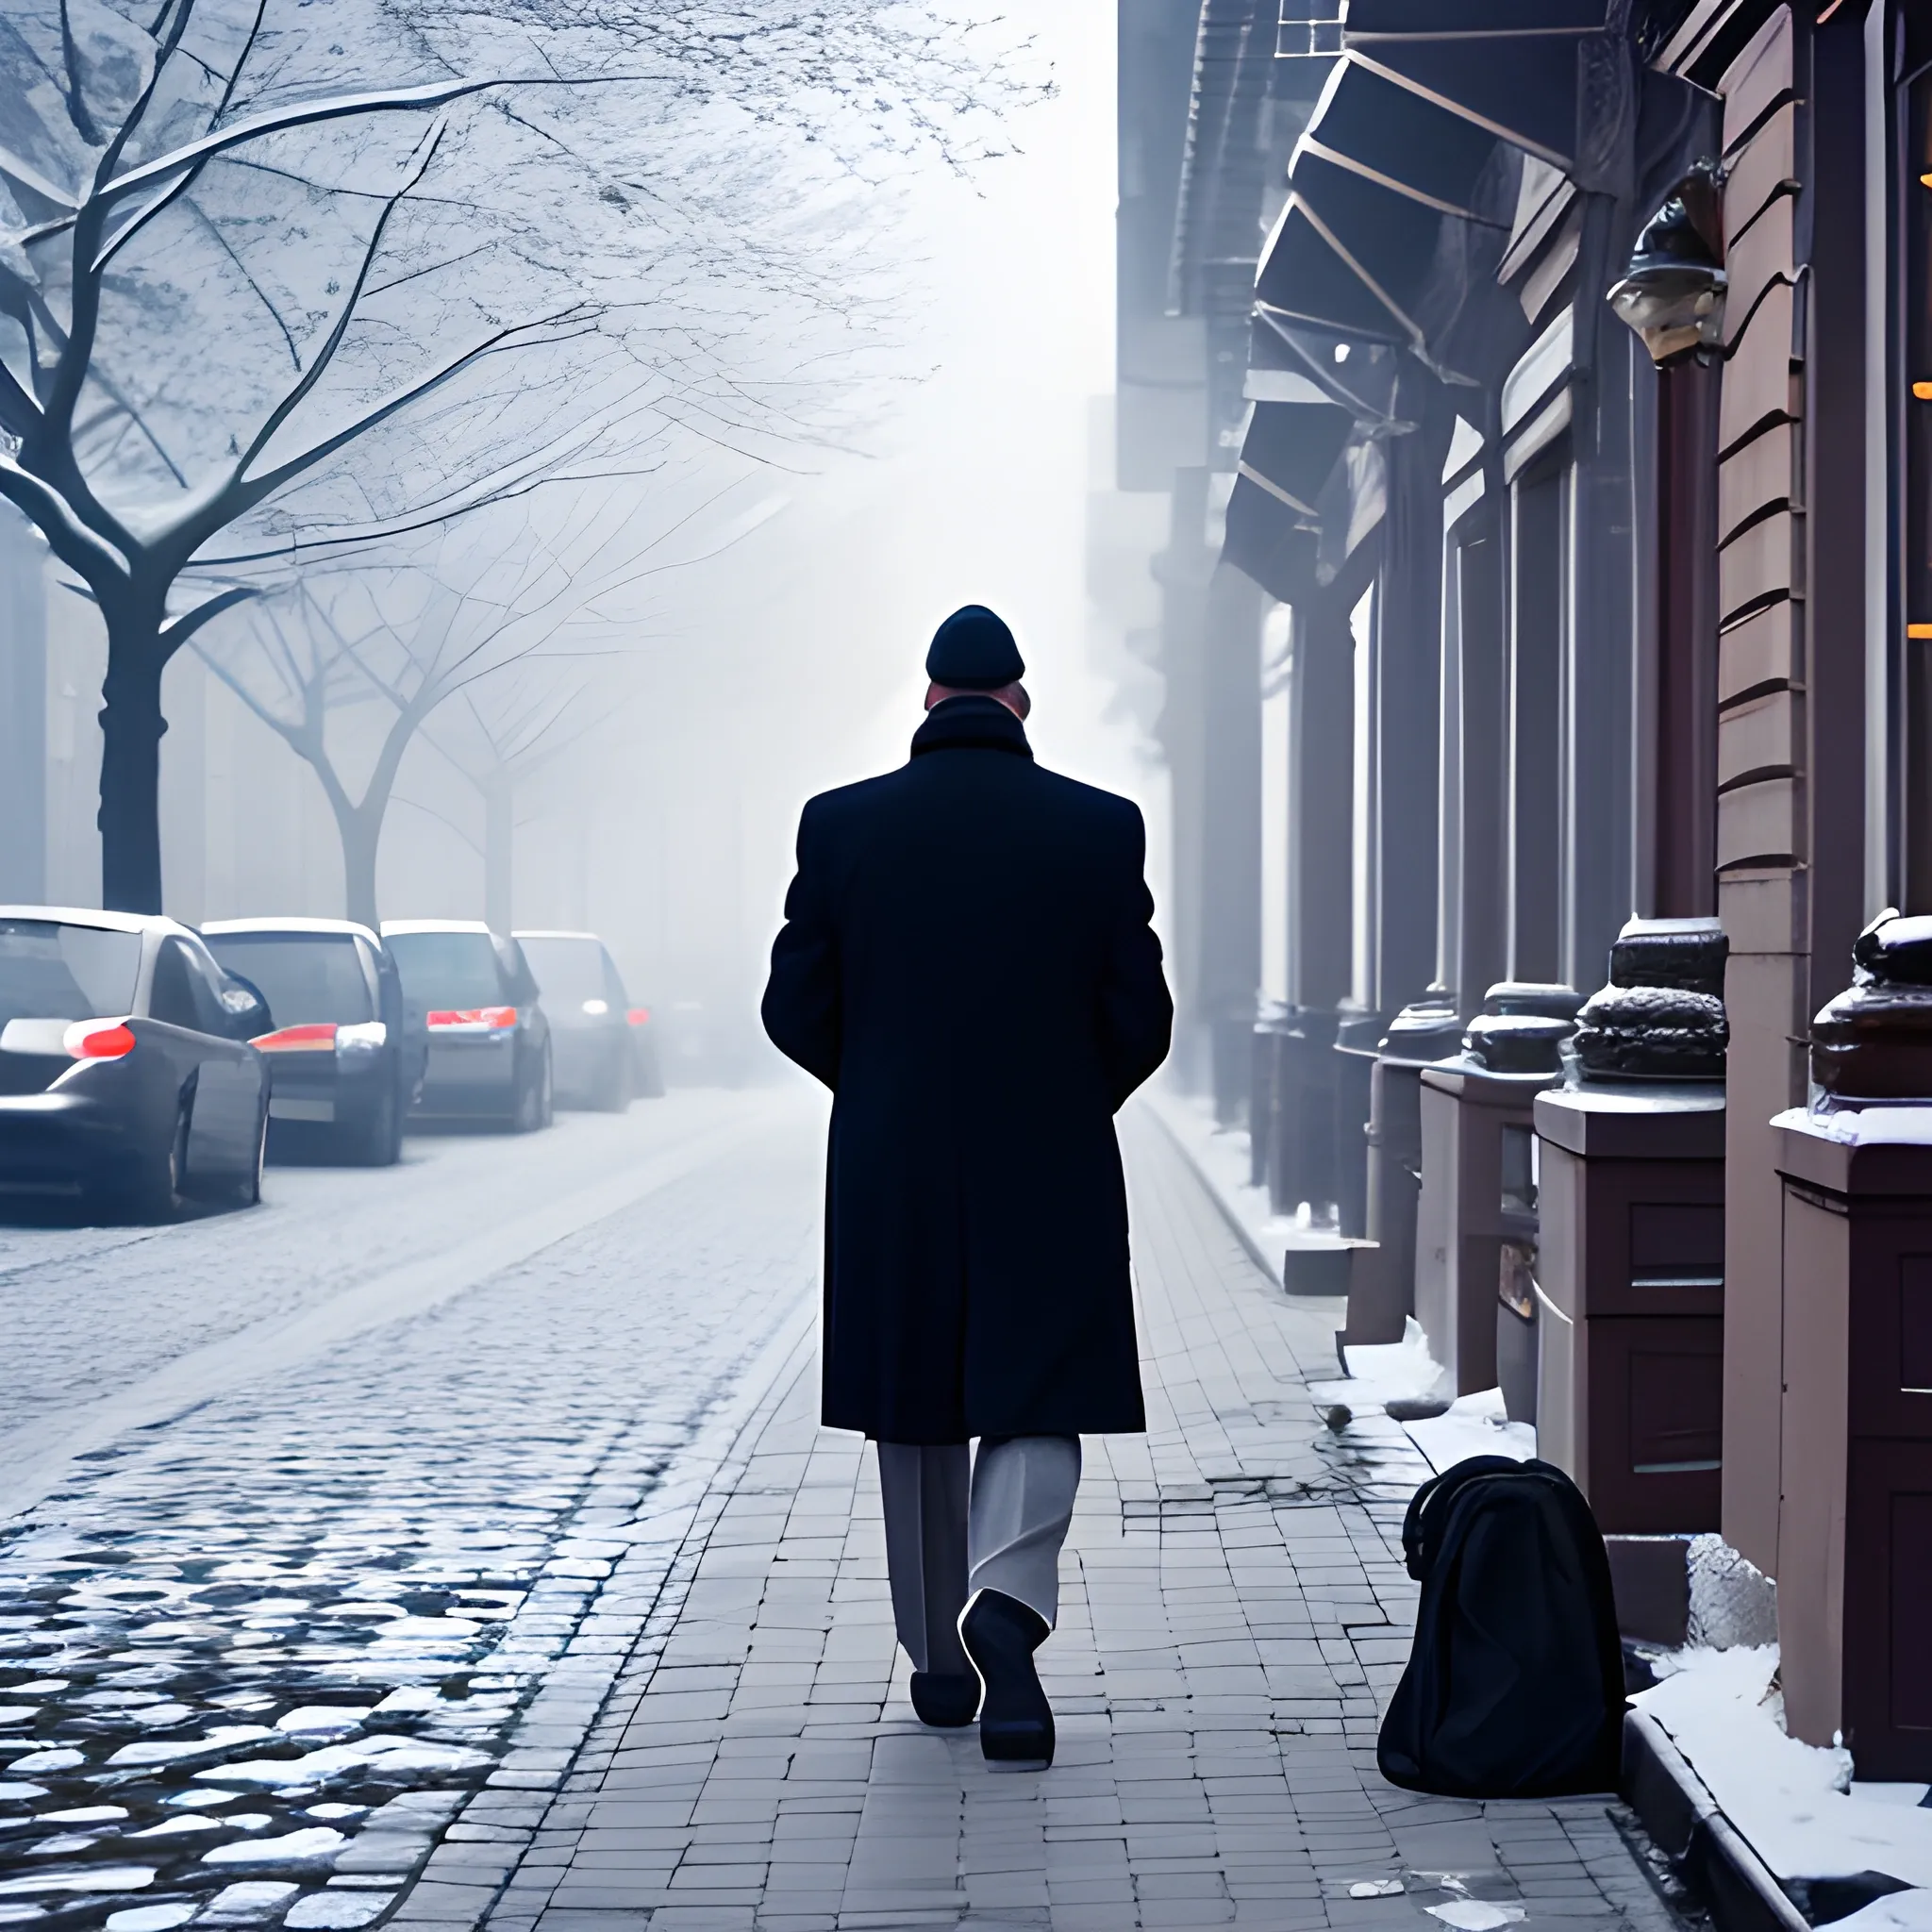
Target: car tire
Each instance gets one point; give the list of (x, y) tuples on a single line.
[(649, 1083), (380, 1142), (533, 1109), (613, 1089), (246, 1192), (154, 1191)]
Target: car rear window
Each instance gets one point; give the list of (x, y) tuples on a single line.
[(307, 978), (52, 971), (568, 971), (445, 969)]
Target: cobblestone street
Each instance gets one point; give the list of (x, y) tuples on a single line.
[(278, 1635), (546, 1604)]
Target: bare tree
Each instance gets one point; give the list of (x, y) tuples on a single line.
[(243, 291), (346, 665), (499, 737)]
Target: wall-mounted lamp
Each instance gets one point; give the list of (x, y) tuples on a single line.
[(1673, 293)]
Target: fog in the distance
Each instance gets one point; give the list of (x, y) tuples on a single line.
[(774, 649)]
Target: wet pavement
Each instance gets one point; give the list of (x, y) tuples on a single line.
[(1233, 1614), (257, 1650), (457, 1547)]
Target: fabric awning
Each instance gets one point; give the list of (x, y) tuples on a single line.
[(1362, 378), (1396, 208), (1289, 460), (1267, 543), (1291, 448), (1556, 79)]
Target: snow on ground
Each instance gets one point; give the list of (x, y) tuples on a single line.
[(1406, 1370), (1388, 1372), (1794, 1803), (1902, 1911), (1472, 1425)]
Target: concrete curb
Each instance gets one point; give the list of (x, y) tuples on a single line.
[(1706, 1849)]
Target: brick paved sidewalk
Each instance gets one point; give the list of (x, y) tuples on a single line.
[(1234, 1610)]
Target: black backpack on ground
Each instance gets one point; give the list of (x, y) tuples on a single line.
[(1514, 1687)]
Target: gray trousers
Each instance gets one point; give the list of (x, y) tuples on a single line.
[(949, 1534)]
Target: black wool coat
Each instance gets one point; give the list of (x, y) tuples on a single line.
[(967, 963)]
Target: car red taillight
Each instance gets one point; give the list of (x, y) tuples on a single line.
[(316, 1038), (98, 1040), (638, 1016), (473, 1016)]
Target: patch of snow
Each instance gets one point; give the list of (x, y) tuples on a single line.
[(60, 1759), (412, 1697), (179, 1827), (82, 1878), (1865, 1126), (1472, 1425), (416, 1629), (1375, 1887), (151, 1918), (1387, 1372), (1475, 1914), (1794, 1803), (312, 1842), (18, 1713), (1898, 1912), (157, 1714), (18, 1793), (84, 1814), (323, 1717), (391, 1752), (161, 1752)]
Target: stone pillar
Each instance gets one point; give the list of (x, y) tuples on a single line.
[(1469, 1106), (1854, 1532), (1763, 844), (1630, 1295), (1630, 1300)]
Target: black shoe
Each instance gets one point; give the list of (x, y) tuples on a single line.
[(945, 1699), (1015, 1721)]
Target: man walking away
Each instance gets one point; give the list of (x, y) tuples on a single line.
[(967, 963)]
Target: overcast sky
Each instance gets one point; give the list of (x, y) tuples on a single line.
[(794, 664)]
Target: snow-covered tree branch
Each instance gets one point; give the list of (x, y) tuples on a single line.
[(279, 282)]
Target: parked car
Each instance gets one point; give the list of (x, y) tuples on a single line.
[(127, 1076), (343, 1063), (489, 1037), (606, 1048)]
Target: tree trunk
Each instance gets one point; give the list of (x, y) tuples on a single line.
[(499, 836), (361, 834), (131, 728)]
